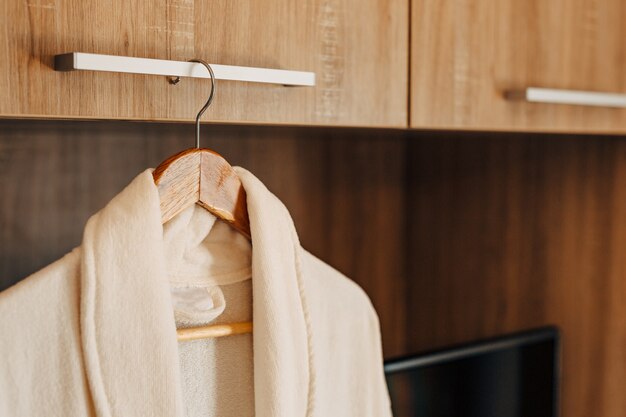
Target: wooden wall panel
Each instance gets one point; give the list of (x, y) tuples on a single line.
[(339, 185), (360, 63), (513, 232)]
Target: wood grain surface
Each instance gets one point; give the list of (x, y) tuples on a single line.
[(466, 54), (357, 48), (510, 232)]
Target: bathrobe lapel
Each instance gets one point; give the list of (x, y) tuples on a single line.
[(127, 324), (282, 330)]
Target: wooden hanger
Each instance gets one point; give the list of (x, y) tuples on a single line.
[(203, 177)]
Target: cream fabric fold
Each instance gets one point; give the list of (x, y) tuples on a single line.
[(201, 251), (202, 255), (94, 333)]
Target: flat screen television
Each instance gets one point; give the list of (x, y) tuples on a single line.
[(512, 376)]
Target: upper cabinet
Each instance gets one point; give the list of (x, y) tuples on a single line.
[(517, 65), (473, 61), (357, 48)]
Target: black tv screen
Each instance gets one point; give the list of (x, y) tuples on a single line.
[(512, 376)]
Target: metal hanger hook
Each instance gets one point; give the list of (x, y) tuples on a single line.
[(175, 81)]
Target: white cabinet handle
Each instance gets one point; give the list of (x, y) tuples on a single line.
[(112, 63), (580, 98)]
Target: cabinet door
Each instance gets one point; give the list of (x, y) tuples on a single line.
[(357, 48), (467, 54)]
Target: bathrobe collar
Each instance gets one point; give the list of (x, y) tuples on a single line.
[(127, 323)]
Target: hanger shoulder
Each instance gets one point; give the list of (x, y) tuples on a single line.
[(178, 182), (221, 192)]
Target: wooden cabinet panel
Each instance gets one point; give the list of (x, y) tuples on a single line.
[(465, 54), (357, 48)]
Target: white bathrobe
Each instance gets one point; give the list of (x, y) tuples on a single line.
[(95, 334)]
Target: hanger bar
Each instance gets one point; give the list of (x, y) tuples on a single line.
[(74, 61), (213, 331)]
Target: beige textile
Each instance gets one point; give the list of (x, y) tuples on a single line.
[(95, 332)]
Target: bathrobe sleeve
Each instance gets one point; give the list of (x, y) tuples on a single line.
[(348, 377), (41, 368)]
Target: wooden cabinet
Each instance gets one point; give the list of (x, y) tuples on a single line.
[(466, 54), (349, 44)]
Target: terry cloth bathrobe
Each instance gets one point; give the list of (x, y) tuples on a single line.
[(94, 334)]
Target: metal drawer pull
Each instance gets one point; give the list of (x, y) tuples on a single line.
[(574, 97)]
